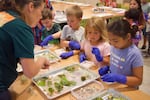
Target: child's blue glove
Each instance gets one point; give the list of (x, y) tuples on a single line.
[(66, 54), (104, 70), (82, 57), (74, 45), (112, 77), (97, 54), (46, 40)]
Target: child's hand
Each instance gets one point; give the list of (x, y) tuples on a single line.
[(97, 54), (104, 70), (82, 57), (66, 54), (74, 45), (112, 77), (46, 40)]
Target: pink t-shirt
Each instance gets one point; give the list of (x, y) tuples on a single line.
[(104, 48)]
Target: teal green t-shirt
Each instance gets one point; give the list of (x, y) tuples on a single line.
[(55, 28), (16, 41)]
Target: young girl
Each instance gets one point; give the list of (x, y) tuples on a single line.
[(95, 46), (37, 30), (51, 33), (126, 63), (132, 16), (137, 4)]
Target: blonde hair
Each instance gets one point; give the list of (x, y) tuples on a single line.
[(99, 25), (74, 11)]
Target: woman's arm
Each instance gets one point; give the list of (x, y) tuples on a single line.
[(31, 67), (57, 35)]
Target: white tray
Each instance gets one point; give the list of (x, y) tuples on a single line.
[(52, 57)]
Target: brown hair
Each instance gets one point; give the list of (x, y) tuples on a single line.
[(121, 28), (47, 13), (97, 24), (141, 16), (74, 11), (18, 5)]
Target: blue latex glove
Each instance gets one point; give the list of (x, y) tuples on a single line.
[(66, 54), (97, 54), (82, 57), (104, 70), (46, 40), (74, 45), (112, 77)]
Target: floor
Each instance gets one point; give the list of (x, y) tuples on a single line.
[(145, 87)]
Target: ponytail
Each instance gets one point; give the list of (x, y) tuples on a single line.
[(134, 30)]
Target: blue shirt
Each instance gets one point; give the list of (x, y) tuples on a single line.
[(122, 61)]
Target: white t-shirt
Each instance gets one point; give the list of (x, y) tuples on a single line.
[(69, 34)]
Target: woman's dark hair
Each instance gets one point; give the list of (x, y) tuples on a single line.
[(139, 4), (11, 4), (121, 28), (141, 17), (133, 14)]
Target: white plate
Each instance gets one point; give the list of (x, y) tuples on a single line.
[(87, 64)]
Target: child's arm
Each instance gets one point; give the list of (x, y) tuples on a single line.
[(64, 43), (74, 45), (50, 37), (57, 35), (69, 54), (82, 56), (106, 60), (134, 80), (99, 57), (137, 77)]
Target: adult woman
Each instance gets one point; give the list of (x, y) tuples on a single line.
[(16, 41)]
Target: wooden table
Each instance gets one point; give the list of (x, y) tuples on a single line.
[(24, 89), (87, 10)]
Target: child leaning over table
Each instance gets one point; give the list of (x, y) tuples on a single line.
[(37, 30), (73, 33), (126, 63), (95, 46), (132, 16), (51, 33)]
